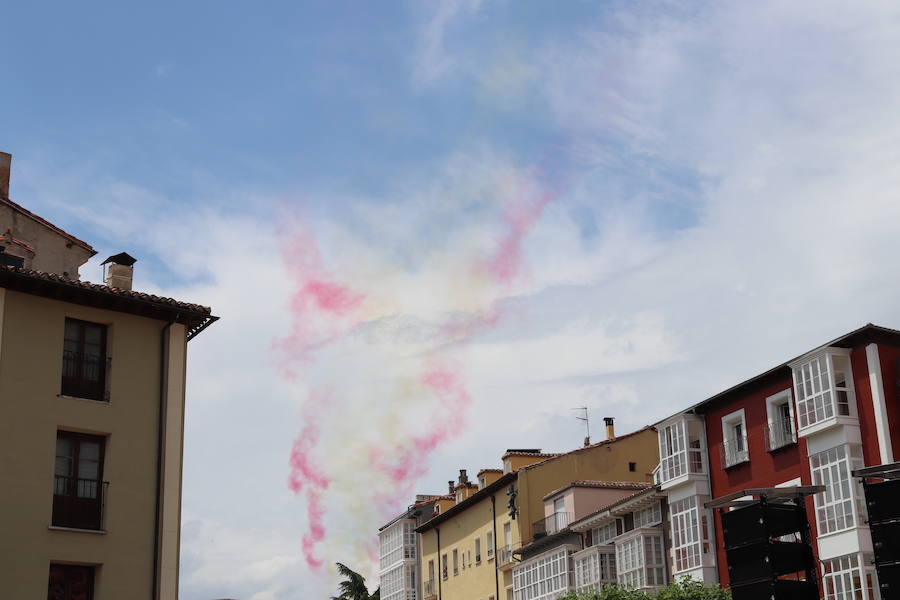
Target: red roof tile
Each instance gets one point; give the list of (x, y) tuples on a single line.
[(48, 224)]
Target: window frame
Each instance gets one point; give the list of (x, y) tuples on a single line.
[(777, 436), (66, 568), (740, 454), (846, 458), (79, 386), (65, 504)]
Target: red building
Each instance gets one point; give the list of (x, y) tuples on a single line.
[(810, 420)]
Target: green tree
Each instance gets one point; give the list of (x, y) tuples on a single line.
[(353, 587), (683, 589)]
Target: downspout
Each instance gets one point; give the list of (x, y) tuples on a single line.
[(496, 557), (440, 564), (163, 356)]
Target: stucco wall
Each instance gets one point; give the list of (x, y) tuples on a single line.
[(31, 412), (53, 252)]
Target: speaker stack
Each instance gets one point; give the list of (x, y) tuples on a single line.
[(757, 559), (883, 503)]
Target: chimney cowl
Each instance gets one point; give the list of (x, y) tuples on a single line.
[(610, 427), (463, 478), (120, 272), (451, 487)]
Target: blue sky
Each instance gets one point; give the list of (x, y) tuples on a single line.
[(722, 182)]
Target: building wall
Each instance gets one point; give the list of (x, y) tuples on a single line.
[(475, 582), (890, 360), (55, 253), (864, 406), (603, 462), (31, 411), (765, 469)]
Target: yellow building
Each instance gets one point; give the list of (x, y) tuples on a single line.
[(467, 550), (91, 420)]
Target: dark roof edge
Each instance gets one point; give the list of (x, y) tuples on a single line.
[(843, 339), (48, 285), (470, 501)]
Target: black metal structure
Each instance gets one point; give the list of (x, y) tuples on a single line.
[(758, 557), (882, 488)]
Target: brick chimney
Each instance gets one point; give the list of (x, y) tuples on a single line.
[(5, 167), (120, 272)]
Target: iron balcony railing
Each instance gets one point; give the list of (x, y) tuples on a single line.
[(78, 503), (734, 451), (505, 555), (552, 524), (780, 433), (430, 588)]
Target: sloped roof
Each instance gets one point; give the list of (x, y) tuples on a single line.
[(21, 209), (609, 485)]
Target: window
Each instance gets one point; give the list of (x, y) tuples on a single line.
[(478, 550), (840, 506), (84, 360), (70, 582), (444, 567), (489, 543), (77, 480), (843, 579), (542, 578), (455, 562), (397, 542), (632, 467), (507, 466), (594, 568), (605, 534), (680, 449), (647, 517), (734, 439), (640, 561), (482, 482), (399, 583), (686, 534), (823, 388), (781, 421)]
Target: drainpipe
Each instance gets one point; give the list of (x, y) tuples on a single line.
[(163, 356), (440, 563), (496, 556)]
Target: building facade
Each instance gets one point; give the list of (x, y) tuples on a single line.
[(546, 569), (470, 550), (91, 414), (809, 421)]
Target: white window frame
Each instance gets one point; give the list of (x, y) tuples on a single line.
[(779, 436), (841, 576), (478, 550), (737, 454), (649, 516), (687, 534), (818, 398), (489, 544), (594, 568), (545, 577), (605, 533), (832, 468), (634, 567)]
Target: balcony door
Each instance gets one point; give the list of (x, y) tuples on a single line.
[(78, 480)]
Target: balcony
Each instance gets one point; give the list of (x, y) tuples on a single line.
[(779, 434), (734, 452), (78, 503), (505, 557), (551, 525), (681, 450), (430, 589)]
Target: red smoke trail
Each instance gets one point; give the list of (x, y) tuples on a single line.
[(306, 476), (504, 264)]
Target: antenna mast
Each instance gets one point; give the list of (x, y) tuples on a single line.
[(587, 423)]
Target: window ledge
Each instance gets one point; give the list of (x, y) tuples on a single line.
[(77, 530), (745, 461), (91, 400), (782, 447)]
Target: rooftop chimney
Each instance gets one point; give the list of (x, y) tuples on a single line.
[(463, 478), (120, 272), (451, 487), (5, 166), (610, 428)]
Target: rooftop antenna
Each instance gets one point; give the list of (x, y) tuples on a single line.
[(587, 423)]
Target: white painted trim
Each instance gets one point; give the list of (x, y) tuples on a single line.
[(876, 383), (728, 422)]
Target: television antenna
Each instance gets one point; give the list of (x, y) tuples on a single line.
[(587, 422)]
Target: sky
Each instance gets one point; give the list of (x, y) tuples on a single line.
[(432, 229)]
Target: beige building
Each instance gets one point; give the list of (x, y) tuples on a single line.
[(92, 381), (470, 549)]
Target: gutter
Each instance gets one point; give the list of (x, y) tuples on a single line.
[(440, 572), (496, 557), (163, 355)]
